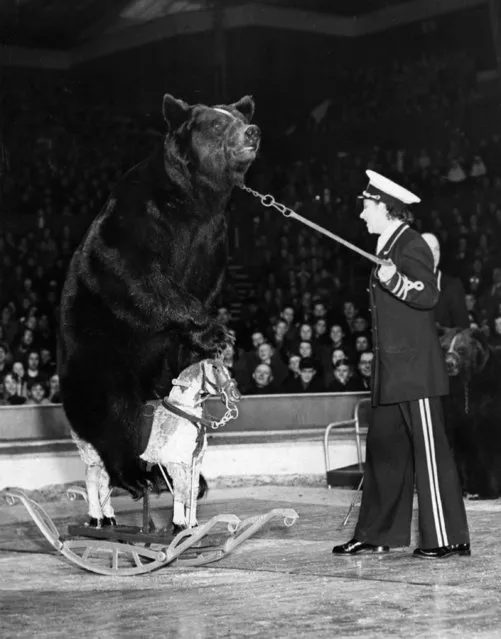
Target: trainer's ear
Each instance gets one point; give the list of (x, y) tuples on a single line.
[(246, 106), (175, 111)]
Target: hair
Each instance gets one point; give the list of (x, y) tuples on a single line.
[(399, 211), (362, 353), (343, 362), (31, 385), (307, 362)]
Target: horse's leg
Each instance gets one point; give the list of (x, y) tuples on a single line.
[(92, 480), (196, 466), (191, 504), (105, 499), (180, 475)]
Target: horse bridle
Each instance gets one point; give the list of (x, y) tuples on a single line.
[(227, 393)]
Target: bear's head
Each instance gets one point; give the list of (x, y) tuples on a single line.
[(466, 352), (216, 144)]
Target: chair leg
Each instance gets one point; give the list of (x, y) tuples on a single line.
[(354, 501)]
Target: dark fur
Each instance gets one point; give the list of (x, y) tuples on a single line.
[(135, 305), (473, 411)]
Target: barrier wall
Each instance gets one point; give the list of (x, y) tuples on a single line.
[(256, 414)]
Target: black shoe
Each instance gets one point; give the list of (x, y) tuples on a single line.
[(442, 552), (109, 521), (93, 522), (354, 547)]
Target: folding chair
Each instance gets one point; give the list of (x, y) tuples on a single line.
[(357, 425)]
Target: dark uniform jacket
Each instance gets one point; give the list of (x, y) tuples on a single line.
[(408, 361), (451, 310)]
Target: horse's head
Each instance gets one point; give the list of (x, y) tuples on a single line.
[(208, 378), (218, 381)]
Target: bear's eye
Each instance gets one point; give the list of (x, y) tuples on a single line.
[(217, 126)]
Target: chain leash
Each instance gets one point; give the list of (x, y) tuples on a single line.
[(231, 413), (269, 201)]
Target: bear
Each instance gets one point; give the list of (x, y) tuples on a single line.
[(136, 302), (473, 410)]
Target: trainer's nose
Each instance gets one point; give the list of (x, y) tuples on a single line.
[(252, 134)]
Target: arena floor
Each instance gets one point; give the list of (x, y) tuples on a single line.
[(284, 582)]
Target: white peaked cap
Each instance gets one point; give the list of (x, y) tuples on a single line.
[(382, 185)]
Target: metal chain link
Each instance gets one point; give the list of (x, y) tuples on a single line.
[(268, 200), (231, 413)]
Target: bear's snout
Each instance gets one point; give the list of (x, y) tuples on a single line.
[(252, 135), (453, 364)]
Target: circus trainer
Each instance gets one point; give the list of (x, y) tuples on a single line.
[(406, 439)]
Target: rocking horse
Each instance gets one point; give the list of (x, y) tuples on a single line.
[(176, 445)]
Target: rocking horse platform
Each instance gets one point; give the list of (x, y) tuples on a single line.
[(132, 550)]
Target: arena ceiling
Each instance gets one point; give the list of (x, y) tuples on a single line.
[(66, 24)]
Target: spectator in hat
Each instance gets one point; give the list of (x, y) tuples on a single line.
[(407, 442), (450, 310), (308, 381)]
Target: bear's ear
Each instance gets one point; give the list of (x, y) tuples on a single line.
[(246, 107), (441, 330), (175, 111), (479, 335)]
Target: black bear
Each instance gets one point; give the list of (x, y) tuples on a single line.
[(135, 307), (473, 410)]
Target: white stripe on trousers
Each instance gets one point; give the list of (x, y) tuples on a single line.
[(431, 466)]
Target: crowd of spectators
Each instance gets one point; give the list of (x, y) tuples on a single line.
[(304, 325), (412, 94), (309, 349)]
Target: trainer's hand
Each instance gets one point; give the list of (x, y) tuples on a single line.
[(386, 271)]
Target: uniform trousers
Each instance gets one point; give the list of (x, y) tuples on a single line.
[(406, 446)]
